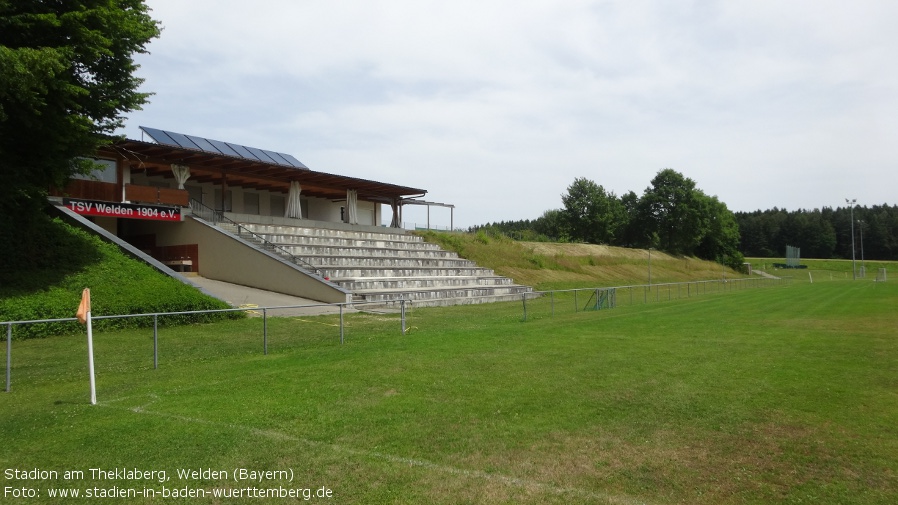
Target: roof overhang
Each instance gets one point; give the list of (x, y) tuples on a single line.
[(156, 160)]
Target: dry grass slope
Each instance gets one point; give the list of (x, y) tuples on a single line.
[(546, 265)]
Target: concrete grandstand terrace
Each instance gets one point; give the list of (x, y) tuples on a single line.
[(383, 266)]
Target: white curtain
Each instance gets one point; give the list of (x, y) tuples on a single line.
[(293, 209), (397, 217), (352, 210), (182, 173)]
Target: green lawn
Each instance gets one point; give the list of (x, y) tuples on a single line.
[(63, 260), (786, 394), (825, 270)]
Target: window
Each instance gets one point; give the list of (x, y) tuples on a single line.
[(106, 172), (218, 202), (250, 203), (278, 205), (196, 193)]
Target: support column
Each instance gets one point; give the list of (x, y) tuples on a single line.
[(224, 192)]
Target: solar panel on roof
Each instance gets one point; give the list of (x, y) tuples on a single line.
[(293, 161), (182, 140), (203, 144), (159, 136), (280, 160), (223, 147), (261, 155), (218, 147), (242, 151)]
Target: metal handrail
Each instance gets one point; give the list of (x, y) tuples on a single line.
[(217, 216)]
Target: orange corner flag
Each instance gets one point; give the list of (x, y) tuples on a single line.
[(84, 307)]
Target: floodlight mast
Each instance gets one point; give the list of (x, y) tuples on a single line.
[(853, 262)]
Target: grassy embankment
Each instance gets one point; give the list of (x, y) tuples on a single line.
[(547, 266), (48, 284)]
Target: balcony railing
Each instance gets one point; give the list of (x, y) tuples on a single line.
[(90, 190), (163, 196), (109, 192)]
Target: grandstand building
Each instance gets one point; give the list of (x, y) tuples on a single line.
[(261, 218)]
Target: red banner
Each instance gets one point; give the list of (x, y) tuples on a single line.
[(123, 210)]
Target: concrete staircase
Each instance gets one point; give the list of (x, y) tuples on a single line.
[(384, 267)]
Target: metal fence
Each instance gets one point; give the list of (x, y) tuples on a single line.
[(336, 310), (536, 304), (548, 303)]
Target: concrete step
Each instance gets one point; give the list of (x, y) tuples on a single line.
[(356, 272), (330, 233), (423, 295), (389, 262), (324, 250), (439, 282), (301, 240), (445, 302)]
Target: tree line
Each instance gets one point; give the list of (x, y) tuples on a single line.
[(821, 233), (672, 215), (675, 216)]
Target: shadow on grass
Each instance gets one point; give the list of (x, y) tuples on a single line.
[(39, 252)]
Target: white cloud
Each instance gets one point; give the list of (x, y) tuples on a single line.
[(496, 106)]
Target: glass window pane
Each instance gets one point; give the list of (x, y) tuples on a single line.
[(105, 173), (278, 205), (250, 203)]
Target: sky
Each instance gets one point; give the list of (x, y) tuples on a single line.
[(497, 106)]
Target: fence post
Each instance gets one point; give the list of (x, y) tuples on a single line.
[(341, 324), (8, 354), (524, 301), (155, 341), (264, 331), (402, 311)]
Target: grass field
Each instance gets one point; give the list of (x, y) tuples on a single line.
[(785, 395), (825, 270)]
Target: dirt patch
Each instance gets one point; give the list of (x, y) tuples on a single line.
[(554, 249)]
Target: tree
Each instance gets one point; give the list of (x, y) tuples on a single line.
[(66, 81), (673, 209), (721, 239), (551, 225), (809, 231), (633, 231), (591, 214)]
